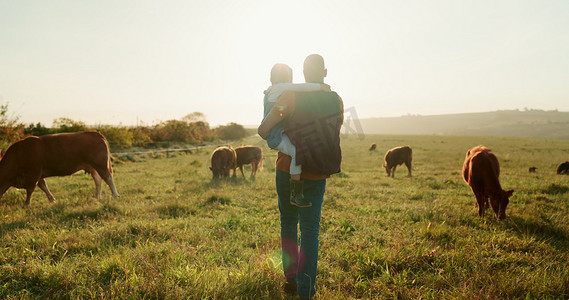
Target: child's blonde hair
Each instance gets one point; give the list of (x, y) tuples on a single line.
[(281, 73)]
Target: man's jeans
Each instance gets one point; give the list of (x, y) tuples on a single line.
[(300, 265)]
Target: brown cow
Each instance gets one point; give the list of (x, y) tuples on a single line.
[(398, 156), (223, 160), (563, 168), (481, 171), (532, 169), (248, 155), (27, 162), (372, 147)]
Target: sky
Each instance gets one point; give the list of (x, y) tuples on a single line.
[(142, 62)]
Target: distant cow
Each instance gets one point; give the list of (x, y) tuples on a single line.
[(248, 155), (398, 156), (27, 162), (223, 159), (481, 171), (372, 147), (563, 168), (532, 169)]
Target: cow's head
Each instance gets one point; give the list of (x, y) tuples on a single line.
[(499, 205), (563, 168), (216, 172), (219, 172), (387, 170)]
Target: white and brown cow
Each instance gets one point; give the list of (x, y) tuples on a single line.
[(27, 162), (481, 171)]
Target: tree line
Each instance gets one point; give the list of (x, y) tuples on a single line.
[(191, 129)]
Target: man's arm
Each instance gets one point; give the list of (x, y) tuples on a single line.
[(283, 108)]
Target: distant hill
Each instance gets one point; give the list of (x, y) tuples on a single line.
[(529, 123)]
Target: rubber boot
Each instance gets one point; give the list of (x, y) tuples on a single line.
[(296, 194)]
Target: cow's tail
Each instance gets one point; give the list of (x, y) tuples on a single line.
[(109, 164), (260, 165), (411, 157)]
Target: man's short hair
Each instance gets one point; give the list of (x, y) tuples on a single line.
[(314, 65), (281, 73)]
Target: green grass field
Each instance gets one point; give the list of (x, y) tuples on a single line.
[(174, 234)]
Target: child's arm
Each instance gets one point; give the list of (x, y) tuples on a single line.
[(279, 88), (308, 87)]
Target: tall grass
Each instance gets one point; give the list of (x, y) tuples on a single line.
[(174, 233)]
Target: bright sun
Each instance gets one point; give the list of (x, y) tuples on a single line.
[(284, 33)]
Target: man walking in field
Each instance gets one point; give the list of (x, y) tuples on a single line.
[(312, 121)]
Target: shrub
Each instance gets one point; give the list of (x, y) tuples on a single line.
[(140, 136), (36, 130), (231, 131), (192, 129), (118, 137), (68, 125), (181, 132), (11, 130), (172, 130)]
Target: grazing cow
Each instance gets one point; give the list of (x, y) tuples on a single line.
[(372, 147), (248, 155), (481, 171), (398, 156), (27, 162), (563, 168), (532, 169), (223, 160)]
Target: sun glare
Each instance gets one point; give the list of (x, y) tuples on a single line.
[(277, 33)]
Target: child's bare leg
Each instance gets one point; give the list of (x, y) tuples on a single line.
[(288, 148), (296, 184)]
